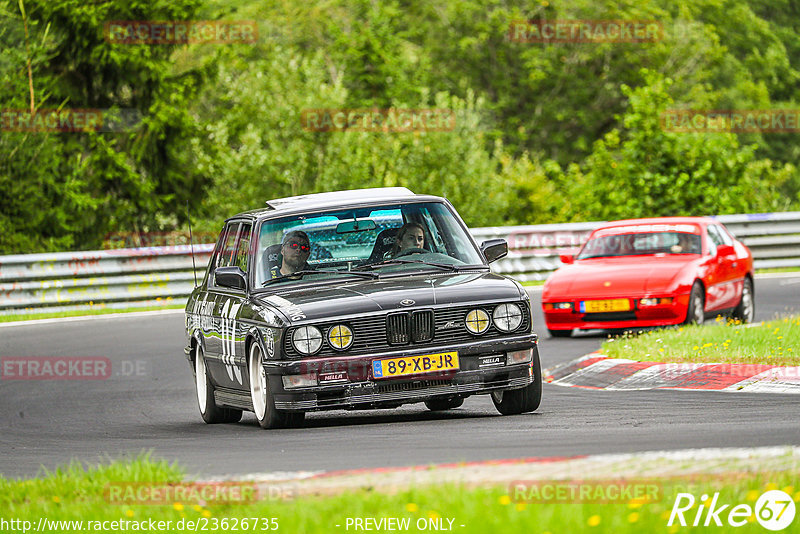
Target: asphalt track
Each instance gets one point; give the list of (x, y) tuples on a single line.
[(148, 404)]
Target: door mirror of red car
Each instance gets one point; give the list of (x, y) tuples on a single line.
[(232, 277), (494, 249), (566, 259), (726, 250)]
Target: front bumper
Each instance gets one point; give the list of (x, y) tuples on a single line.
[(638, 317), (475, 376)]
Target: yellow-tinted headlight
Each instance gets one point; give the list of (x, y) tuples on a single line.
[(340, 337), (477, 321)]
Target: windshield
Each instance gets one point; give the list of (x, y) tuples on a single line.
[(634, 244), (390, 238)]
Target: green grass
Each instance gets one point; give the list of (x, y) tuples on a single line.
[(775, 343), (73, 493), (533, 283), (779, 270), (80, 313)]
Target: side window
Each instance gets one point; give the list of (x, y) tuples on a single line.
[(227, 254), (215, 257), (714, 240), (243, 247), (726, 238)]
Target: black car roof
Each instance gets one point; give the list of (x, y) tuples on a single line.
[(334, 199)]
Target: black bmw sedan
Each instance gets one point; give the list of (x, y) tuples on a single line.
[(360, 299)]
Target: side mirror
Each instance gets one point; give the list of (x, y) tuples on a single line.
[(566, 259), (494, 249), (231, 277)]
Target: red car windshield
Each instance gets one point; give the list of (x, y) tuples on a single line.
[(636, 244)]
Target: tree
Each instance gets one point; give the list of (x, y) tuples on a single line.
[(642, 170)]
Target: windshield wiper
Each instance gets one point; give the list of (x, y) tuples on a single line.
[(300, 274), (448, 266)]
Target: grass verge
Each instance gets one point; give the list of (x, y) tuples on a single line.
[(75, 494), (81, 313), (773, 343), (532, 283)]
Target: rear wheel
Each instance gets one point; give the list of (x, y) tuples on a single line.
[(438, 405), (746, 310), (560, 333), (527, 399), (261, 395), (697, 299), (209, 410)]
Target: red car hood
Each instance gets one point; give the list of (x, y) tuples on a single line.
[(616, 277)]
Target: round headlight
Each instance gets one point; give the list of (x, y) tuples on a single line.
[(340, 337), (477, 321), (307, 339), (507, 317)]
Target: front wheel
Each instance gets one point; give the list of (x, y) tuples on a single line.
[(695, 313), (261, 396), (746, 310), (209, 410), (527, 399)]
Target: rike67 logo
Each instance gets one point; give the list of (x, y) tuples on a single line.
[(774, 510)]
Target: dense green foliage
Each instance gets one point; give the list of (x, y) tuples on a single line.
[(544, 132)]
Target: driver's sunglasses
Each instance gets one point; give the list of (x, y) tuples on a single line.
[(295, 246)]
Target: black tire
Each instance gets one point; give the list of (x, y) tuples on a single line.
[(527, 399), (746, 310), (697, 299), (261, 395), (560, 333), (211, 413), (438, 405)]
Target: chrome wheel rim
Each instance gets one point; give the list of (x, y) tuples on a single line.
[(258, 383), (697, 312), (200, 380), (747, 303)]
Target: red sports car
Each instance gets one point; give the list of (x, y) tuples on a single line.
[(651, 272)]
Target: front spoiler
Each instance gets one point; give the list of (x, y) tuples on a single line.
[(369, 394)]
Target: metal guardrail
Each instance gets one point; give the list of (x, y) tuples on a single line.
[(106, 278), (154, 276)]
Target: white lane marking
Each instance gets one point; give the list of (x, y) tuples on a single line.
[(778, 275), (91, 317)]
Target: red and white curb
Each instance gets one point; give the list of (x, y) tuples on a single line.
[(615, 466), (595, 371)]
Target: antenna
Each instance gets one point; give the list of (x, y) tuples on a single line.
[(191, 242)]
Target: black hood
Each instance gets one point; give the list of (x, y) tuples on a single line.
[(376, 296)]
